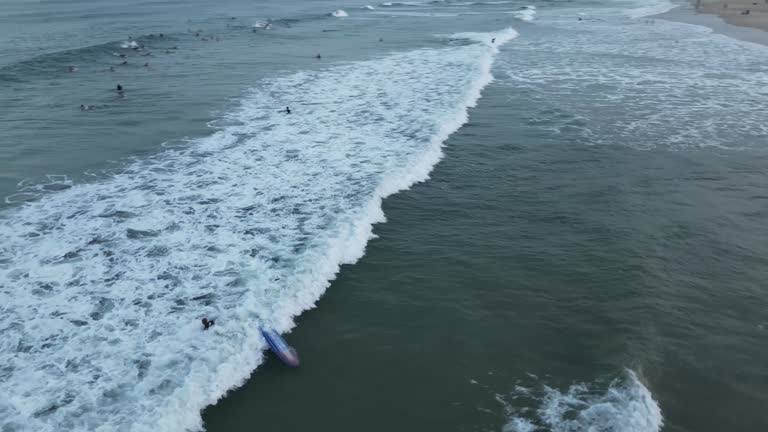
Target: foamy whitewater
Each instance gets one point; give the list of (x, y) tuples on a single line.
[(625, 405), (103, 285), (672, 91), (527, 13)]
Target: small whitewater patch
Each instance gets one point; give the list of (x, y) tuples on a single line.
[(492, 39), (369, 7), (625, 405), (396, 4), (266, 25), (339, 14), (103, 285), (525, 13), (655, 8), (129, 45)]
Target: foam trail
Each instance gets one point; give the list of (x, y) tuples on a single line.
[(394, 4), (625, 406), (102, 285), (339, 13)]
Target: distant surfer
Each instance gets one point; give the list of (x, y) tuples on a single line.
[(72, 69), (287, 110), (119, 88), (207, 323), (146, 65), (493, 40), (84, 107), (319, 57)]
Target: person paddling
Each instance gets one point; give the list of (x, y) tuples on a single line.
[(207, 323)]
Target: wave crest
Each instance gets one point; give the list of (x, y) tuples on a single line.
[(625, 406)]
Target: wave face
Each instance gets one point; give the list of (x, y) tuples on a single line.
[(625, 406), (103, 285)]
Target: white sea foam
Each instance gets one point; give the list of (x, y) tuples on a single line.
[(129, 44), (680, 85), (495, 2), (526, 13), (266, 25), (102, 285), (626, 405), (501, 37), (655, 8), (369, 7), (339, 13), (394, 4)]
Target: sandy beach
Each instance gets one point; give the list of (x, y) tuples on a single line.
[(748, 13)]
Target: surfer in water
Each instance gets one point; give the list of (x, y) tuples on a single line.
[(287, 110), (207, 323)]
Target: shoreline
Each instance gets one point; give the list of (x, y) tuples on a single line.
[(750, 28), (742, 13)]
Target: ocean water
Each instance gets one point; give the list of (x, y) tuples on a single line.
[(478, 216)]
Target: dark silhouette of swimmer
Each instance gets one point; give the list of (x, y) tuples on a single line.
[(287, 110), (125, 62), (146, 65), (207, 323), (493, 40), (318, 56)]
